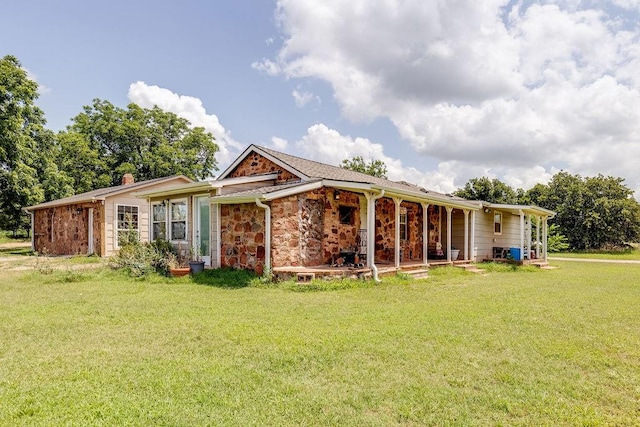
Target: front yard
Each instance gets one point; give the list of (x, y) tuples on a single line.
[(531, 347)]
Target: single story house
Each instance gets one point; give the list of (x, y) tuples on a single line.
[(273, 210), (94, 222)]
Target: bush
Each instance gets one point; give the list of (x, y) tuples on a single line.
[(140, 259)]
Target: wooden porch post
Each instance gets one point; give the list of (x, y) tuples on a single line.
[(425, 231), (449, 210), (396, 245), (529, 236), (521, 235), (545, 237), (466, 234), (472, 246), (538, 237)]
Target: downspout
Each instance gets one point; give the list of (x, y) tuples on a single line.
[(371, 223), (267, 233)]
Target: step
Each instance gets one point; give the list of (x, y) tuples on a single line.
[(472, 268), (417, 274)]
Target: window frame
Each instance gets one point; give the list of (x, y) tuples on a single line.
[(351, 214), (169, 221), (404, 224), (117, 229), (499, 223), (152, 235)]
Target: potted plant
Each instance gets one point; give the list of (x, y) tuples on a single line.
[(454, 253), (176, 267), (196, 264)]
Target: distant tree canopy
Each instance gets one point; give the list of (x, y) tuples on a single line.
[(104, 142), (488, 190), (373, 167)]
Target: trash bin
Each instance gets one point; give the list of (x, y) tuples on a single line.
[(515, 254)]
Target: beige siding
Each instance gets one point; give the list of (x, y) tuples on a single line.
[(486, 239), (110, 220)]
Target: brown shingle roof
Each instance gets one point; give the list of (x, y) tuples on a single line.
[(102, 193)]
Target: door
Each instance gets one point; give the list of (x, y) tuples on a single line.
[(202, 229)]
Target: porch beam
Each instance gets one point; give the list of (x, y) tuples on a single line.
[(396, 245), (449, 210), (425, 231), (466, 234)]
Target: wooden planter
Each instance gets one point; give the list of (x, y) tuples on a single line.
[(179, 271)]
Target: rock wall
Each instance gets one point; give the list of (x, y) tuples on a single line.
[(242, 236), (411, 248), (64, 230), (255, 164), (338, 235)]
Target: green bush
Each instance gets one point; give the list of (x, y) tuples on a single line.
[(140, 259)]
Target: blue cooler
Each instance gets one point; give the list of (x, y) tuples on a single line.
[(515, 254)]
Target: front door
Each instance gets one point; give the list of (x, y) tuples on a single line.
[(202, 237)]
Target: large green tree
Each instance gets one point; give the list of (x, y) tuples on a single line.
[(104, 142), (28, 173), (593, 212), (488, 190)]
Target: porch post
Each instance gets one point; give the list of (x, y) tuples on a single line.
[(267, 233), (521, 235), (472, 246), (371, 227), (466, 234), (396, 245), (218, 238), (425, 231), (449, 210), (529, 237), (538, 237), (545, 237), (90, 249)]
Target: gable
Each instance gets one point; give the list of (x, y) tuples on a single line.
[(256, 164)]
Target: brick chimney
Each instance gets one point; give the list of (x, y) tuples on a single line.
[(127, 179)]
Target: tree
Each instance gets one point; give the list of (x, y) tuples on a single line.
[(104, 142), (28, 173), (592, 212), (488, 190), (373, 167)]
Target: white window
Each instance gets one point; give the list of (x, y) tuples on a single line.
[(178, 220), (497, 223), (404, 229), (158, 221), (169, 220), (127, 224)]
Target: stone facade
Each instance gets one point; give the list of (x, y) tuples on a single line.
[(411, 248), (65, 229), (242, 236), (340, 233), (255, 164)]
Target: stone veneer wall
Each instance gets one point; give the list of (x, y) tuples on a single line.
[(255, 164), (385, 231), (306, 228), (242, 236), (64, 230)]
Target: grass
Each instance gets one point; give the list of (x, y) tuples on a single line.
[(513, 347), (623, 254), (8, 237)]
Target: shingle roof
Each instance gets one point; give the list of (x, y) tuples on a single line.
[(102, 193)]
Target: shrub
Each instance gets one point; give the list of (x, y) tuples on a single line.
[(140, 259)]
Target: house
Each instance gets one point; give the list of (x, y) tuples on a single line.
[(94, 222), (272, 209)]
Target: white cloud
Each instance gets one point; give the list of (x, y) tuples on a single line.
[(511, 88), (301, 98), (279, 144), (190, 108)]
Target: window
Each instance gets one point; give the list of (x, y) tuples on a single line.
[(404, 229), (158, 221), (347, 215), (178, 220), (497, 223), (126, 224)]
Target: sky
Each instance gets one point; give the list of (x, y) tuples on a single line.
[(442, 91)]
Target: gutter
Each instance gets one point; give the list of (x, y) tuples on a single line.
[(267, 233)]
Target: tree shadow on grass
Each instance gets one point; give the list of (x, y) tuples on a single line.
[(225, 278), (16, 251)]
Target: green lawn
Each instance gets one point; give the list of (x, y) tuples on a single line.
[(525, 347), (627, 254)]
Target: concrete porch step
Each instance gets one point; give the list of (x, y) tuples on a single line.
[(472, 268), (419, 273), (542, 265)]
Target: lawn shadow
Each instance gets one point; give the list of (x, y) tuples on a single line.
[(226, 278), (16, 251)]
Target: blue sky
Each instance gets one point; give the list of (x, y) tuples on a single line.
[(441, 91)]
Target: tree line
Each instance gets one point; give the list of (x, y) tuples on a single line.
[(102, 143)]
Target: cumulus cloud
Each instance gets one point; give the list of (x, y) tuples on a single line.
[(190, 108), (511, 88)]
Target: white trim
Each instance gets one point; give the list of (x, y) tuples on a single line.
[(267, 233), (218, 237), (449, 211), (264, 154), (170, 220), (425, 231), (494, 213), (466, 235), (396, 257), (90, 248)]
